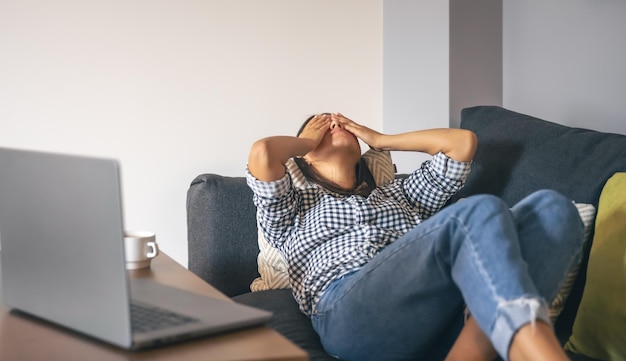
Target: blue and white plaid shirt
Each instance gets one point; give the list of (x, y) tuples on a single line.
[(323, 235)]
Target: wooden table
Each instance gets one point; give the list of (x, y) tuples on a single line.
[(23, 338)]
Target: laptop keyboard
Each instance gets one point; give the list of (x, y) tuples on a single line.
[(146, 318)]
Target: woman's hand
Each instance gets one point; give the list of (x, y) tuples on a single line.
[(267, 157), (316, 128), (367, 135), (457, 144)]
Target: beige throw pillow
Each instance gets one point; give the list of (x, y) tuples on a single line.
[(587, 214)]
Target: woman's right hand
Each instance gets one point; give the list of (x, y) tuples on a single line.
[(316, 128), (267, 157)]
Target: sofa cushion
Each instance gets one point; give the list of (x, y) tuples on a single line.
[(601, 319), (587, 214), (380, 165), (518, 154)]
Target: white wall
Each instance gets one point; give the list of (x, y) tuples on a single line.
[(415, 70), (175, 88), (438, 58), (564, 61)]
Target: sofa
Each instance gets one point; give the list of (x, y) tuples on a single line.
[(517, 154)]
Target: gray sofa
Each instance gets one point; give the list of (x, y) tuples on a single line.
[(517, 154)]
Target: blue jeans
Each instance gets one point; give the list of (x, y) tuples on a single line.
[(502, 263)]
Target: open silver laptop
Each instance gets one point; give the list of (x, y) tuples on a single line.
[(62, 257)]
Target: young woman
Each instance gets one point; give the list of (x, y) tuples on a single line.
[(386, 272)]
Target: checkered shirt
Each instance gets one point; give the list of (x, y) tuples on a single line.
[(323, 235)]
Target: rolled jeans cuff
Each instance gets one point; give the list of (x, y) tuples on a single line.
[(511, 316)]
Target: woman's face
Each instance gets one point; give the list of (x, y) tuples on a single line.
[(337, 139), (340, 137)]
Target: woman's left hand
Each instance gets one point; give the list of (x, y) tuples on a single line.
[(458, 144), (367, 135)]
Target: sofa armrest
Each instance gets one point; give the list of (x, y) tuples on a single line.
[(222, 232)]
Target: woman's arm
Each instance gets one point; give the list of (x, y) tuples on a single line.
[(458, 144), (267, 158)]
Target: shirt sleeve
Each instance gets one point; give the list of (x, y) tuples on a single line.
[(429, 187), (276, 204)]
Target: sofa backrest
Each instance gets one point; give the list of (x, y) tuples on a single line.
[(518, 154)]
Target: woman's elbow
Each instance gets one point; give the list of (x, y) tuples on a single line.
[(262, 163), (259, 157), (259, 152), (465, 146), (471, 143)]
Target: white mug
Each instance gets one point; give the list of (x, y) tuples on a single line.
[(140, 248)]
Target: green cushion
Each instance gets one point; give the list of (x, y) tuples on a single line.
[(600, 324)]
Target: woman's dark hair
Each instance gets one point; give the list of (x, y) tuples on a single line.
[(364, 179)]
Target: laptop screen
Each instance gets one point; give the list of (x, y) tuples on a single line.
[(61, 234)]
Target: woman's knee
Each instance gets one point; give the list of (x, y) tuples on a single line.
[(555, 213), (544, 197), (557, 207), (484, 201), (484, 214), (483, 206)]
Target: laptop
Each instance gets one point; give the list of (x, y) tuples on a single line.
[(62, 258)]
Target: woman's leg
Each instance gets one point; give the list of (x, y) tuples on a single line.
[(550, 244), (550, 238), (472, 344), (393, 309), (536, 342), (531, 343), (397, 305)]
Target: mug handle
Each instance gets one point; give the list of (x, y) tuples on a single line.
[(154, 249)]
